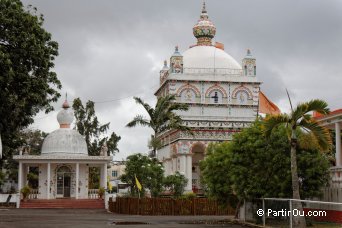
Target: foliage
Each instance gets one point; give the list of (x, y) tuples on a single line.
[(26, 191), (27, 83), (253, 166), (175, 184), (94, 177), (160, 118), (2, 178), (33, 139), (33, 177), (148, 171), (188, 196), (101, 192), (88, 125), (216, 173), (299, 118)]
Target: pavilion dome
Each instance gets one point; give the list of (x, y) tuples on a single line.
[(65, 141), (208, 57)]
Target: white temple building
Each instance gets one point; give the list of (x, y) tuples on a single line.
[(64, 163), (223, 98)]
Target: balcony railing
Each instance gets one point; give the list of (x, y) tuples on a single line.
[(221, 71)]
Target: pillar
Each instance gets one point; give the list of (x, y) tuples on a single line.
[(103, 181), (48, 180), (189, 172), (182, 165), (77, 178), (338, 144), (20, 176)]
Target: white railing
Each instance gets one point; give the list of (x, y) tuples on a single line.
[(34, 194), (222, 71), (93, 193)]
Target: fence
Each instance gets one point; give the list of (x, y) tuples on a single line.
[(168, 206), (277, 212)]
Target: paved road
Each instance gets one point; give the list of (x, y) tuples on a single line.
[(83, 218)]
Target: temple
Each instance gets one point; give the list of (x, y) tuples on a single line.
[(63, 164), (223, 98)]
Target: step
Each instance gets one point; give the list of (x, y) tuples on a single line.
[(63, 203)]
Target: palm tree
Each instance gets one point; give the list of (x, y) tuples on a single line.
[(161, 118), (300, 119)]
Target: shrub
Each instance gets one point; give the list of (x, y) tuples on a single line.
[(101, 192), (26, 190)]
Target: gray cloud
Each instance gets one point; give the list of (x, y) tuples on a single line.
[(113, 49)]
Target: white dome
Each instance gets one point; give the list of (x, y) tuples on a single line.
[(208, 57), (65, 117), (65, 141)]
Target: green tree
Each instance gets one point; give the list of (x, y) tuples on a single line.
[(88, 125), (148, 171), (299, 118), (253, 166), (160, 118), (27, 83), (216, 173), (175, 184)]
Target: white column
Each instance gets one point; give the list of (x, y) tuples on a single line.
[(20, 176), (189, 172), (104, 176), (77, 178), (182, 164), (48, 179), (338, 144)]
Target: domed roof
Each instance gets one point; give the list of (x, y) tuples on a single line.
[(208, 57), (65, 141)]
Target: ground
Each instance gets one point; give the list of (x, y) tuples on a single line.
[(83, 218)]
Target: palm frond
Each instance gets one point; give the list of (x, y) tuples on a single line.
[(321, 133), (273, 121), (316, 105), (139, 120), (146, 106)]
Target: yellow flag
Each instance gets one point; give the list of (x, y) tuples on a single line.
[(137, 183)]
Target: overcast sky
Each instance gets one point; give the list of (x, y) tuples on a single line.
[(113, 50)]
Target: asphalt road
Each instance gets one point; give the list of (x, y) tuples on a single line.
[(83, 218)]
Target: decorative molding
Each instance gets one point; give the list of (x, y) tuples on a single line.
[(216, 87)]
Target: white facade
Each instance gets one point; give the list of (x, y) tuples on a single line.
[(222, 98), (63, 164)]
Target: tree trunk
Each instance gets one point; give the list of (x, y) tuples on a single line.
[(298, 221), (0, 147)]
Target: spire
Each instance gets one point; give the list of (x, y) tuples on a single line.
[(204, 30), (66, 104)]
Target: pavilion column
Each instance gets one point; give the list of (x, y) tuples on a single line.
[(189, 172), (20, 176), (48, 180), (103, 181), (77, 178), (338, 144)]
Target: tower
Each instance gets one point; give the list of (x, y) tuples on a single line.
[(249, 64), (222, 100)]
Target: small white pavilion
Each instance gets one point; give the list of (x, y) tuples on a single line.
[(64, 162)]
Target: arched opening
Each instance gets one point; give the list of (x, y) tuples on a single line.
[(197, 151), (63, 181)]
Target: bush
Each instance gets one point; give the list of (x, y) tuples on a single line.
[(188, 196), (26, 191), (101, 192)]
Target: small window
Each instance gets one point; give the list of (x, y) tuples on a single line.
[(114, 173)]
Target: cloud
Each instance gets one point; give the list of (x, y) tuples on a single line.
[(113, 50)]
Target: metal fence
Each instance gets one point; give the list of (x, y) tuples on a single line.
[(276, 212), (168, 206)]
